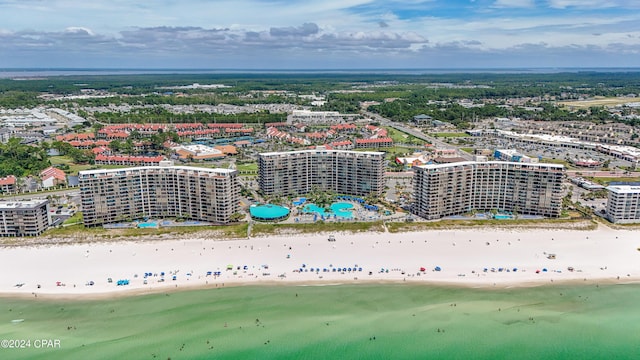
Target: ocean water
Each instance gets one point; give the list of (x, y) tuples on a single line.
[(391, 321)]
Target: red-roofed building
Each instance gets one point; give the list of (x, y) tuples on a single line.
[(52, 177), (342, 145), (8, 184), (344, 127), (373, 143)]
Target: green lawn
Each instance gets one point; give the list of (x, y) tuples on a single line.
[(250, 167), (606, 180), (400, 137), (75, 168)]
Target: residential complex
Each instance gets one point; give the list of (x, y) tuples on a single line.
[(340, 171), (117, 195), (458, 188), (623, 205), (24, 217)]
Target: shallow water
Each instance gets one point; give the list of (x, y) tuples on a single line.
[(329, 322)]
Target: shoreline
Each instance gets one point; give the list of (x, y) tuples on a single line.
[(135, 292), (482, 258)]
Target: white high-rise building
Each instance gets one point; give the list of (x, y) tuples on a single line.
[(623, 205), (458, 188), (300, 172), (119, 195), (24, 217)]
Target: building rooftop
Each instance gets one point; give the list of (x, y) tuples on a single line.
[(500, 163), (624, 189), (22, 204), (85, 173), (322, 151)]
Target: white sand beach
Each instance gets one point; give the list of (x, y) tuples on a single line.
[(479, 257)]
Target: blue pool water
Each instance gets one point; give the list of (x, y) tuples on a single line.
[(342, 209), (502, 217), (148, 225), (339, 209), (268, 212)]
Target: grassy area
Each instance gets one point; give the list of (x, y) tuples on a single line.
[(606, 180), (598, 101), (576, 224), (400, 137), (79, 233), (450, 135), (281, 229), (248, 167), (74, 219), (467, 150), (60, 160)]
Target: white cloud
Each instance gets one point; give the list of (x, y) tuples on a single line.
[(593, 4), (514, 3)]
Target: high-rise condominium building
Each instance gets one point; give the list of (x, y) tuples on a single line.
[(340, 171), (458, 188), (158, 191), (24, 217), (623, 205)]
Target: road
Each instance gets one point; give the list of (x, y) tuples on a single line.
[(413, 132), (42, 194)]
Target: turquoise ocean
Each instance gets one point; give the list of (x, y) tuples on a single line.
[(367, 321)]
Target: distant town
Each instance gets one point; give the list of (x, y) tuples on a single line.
[(152, 151)]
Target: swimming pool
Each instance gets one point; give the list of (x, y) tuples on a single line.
[(145, 225), (268, 212), (339, 209)]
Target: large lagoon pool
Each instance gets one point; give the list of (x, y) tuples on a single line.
[(268, 212), (338, 209)]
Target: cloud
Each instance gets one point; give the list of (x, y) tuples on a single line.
[(514, 3), (295, 32), (305, 30), (593, 4)]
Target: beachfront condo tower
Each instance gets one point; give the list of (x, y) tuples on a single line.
[(121, 195), (465, 187), (340, 171), (623, 205), (24, 217)]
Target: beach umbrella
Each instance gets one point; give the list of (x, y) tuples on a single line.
[(437, 268), (544, 270), (359, 269), (515, 269), (423, 269)]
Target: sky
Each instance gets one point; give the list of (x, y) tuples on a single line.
[(319, 34)]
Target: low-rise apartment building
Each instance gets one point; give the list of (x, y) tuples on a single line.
[(24, 217), (119, 195), (458, 188), (300, 172), (623, 205)]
